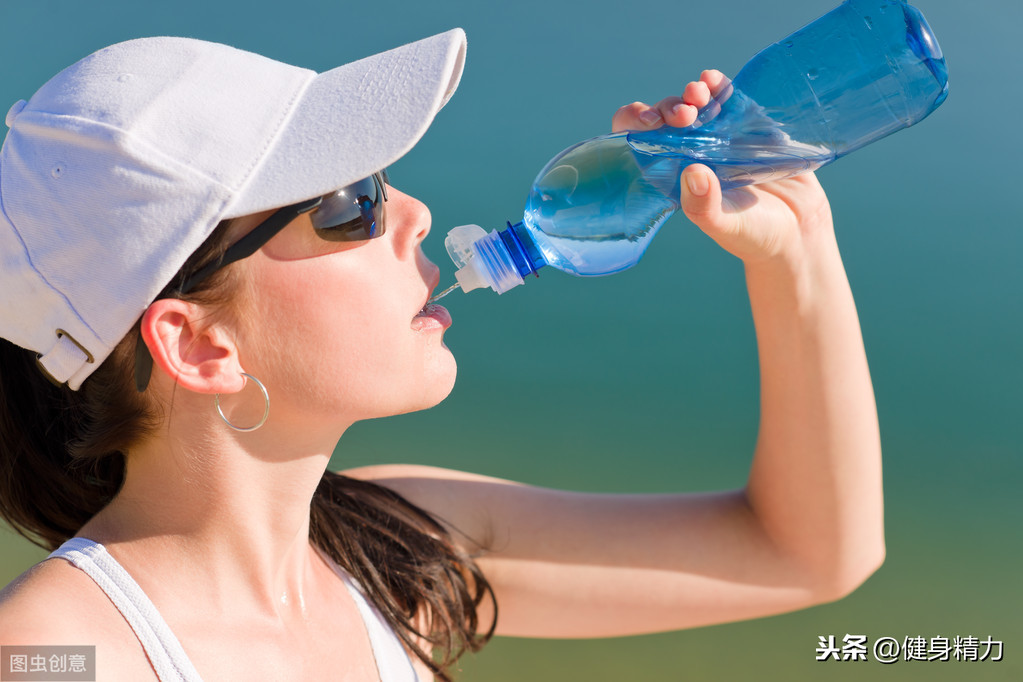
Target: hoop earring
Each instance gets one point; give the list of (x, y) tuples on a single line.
[(266, 409)]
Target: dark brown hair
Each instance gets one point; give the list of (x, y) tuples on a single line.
[(62, 460)]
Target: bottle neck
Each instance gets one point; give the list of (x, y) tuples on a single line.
[(523, 249)]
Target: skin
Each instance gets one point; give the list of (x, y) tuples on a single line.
[(222, 517)]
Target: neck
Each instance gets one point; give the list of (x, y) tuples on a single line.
[(232, 507)]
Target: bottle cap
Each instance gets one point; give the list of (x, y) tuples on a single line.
[(482, 259)]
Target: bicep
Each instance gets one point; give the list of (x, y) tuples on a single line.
[(570, 564)]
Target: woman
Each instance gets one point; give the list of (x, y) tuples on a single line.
[(176, 252)]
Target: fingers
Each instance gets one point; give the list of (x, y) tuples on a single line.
[(674, 111), (697, 93), (701, 201), (640, 116), (630, 117), (715, 81)]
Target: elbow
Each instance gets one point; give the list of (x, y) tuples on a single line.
[(850, 576)]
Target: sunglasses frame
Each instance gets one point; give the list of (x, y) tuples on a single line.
[(266, 230)]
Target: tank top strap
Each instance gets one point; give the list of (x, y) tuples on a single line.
[(165, 653), (393, 661)]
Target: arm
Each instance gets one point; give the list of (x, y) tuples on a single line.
[(806, 528), (815, 483)]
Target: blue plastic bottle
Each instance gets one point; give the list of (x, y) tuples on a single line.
[(863, 71)]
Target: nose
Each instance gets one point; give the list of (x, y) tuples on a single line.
[(408, 220)]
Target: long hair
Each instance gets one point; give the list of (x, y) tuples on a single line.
[(62, 459)]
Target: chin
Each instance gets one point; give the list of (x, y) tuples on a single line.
[(442, 381), (434, 385)]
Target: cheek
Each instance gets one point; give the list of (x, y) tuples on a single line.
[(333, 340)]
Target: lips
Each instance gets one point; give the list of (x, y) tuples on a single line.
[(431, 317)]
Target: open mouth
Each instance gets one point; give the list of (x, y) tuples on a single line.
[(431, 316)]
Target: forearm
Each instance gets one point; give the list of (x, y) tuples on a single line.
[(815, 483)]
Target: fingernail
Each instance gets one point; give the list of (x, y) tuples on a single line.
[(650, 117), (698, 183)]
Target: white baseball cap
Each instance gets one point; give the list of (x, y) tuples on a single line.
[(121, 166)]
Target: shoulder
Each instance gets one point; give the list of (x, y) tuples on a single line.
[(55, 603), (448, 493), (412, 476), (473, 506), (44, 600)]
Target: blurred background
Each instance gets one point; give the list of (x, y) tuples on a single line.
[(647, 380)]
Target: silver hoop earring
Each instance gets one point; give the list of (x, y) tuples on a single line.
[(266, 409)]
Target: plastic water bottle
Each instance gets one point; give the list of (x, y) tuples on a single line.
[(863, 71)]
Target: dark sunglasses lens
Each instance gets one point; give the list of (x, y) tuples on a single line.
[(352, 213)]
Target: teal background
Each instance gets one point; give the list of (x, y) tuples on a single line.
[(646, 381)]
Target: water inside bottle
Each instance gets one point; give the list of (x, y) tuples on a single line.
[(592, 211)]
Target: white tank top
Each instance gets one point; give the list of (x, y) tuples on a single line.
[(168, 659)]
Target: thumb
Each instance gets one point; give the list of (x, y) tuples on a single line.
[(701, 201)]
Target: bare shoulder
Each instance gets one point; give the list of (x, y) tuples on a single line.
[(474, 506), (449, 493), (400, 473), (45, 601), (55, 603)]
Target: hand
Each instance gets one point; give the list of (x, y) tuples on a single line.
[(764, 222)]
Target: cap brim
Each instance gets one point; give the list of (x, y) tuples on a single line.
[(355, 120)]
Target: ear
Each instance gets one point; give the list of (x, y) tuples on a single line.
[(198, 355)]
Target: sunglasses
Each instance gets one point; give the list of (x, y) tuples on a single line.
[(351, 214)]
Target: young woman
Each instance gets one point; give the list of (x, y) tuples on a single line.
[(177, 256)]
